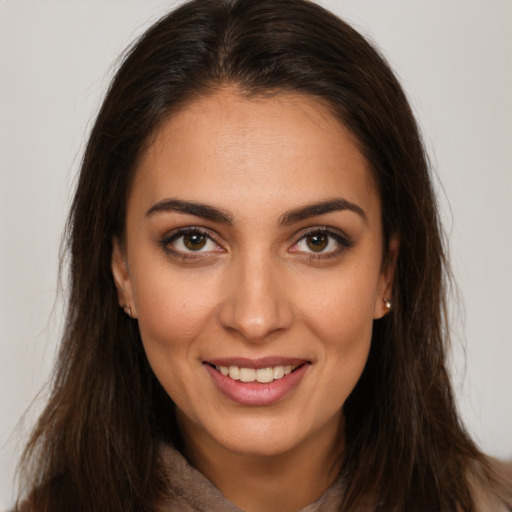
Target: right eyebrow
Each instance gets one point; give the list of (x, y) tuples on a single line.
[(191, 208)]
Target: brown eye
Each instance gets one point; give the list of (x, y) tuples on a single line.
[(191, 243), (194, 241), (317, 242), (321, 243)]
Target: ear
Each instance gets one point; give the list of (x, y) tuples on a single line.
[(385, 285), (122, 279)]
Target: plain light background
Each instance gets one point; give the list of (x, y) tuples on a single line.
[(454, 59)]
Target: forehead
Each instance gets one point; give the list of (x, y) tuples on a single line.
[(276, 151)]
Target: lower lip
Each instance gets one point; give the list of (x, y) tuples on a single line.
[(256, 393)]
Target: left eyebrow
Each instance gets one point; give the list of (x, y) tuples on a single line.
[(321, 208)]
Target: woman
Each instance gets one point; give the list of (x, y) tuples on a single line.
[(257, 317)]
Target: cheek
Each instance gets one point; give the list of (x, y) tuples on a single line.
[(340, 314), (173, 309), (173, 313), (340, 306), (346, 344), (347, 338)]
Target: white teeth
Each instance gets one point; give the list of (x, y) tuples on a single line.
[(234, 372), (247, 374), (278, 372), (262, 375)]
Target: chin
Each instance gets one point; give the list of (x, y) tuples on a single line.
[(261, 444), (269, 437)]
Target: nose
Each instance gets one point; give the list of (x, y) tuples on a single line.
[(257, 304)]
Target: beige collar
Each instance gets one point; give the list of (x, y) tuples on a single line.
[(190, 491)]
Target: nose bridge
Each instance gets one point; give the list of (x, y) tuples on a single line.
[(257, 304)]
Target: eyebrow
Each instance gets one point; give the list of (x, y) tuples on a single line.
[(312, 210), (218, 215), (192, 208)]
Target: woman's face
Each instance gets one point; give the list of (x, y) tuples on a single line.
[(253, 263)]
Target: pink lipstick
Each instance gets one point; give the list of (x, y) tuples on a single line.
[(256, 381)]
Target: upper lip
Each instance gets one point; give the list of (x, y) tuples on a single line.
[(263, 362)]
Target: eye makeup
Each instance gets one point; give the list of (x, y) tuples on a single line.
[(321, 243), (191, 242), (196, 242)]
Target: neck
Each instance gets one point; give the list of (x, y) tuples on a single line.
[(284, 482)]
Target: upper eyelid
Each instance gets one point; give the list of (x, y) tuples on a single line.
[(176, 233), (328, 230)]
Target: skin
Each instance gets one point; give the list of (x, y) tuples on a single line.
[(257, 288)]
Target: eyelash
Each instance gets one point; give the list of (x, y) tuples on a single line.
[(167, 241), (342, 240)]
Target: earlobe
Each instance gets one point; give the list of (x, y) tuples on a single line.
[(122, 279), (384, 299)]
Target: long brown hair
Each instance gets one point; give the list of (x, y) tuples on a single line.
[(95, 445)]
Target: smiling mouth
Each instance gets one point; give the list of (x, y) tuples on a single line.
[(262, 375), (257, 382)]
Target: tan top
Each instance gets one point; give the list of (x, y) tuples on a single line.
[(190, 491)]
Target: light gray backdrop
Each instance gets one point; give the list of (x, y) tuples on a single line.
[(454, 59)]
